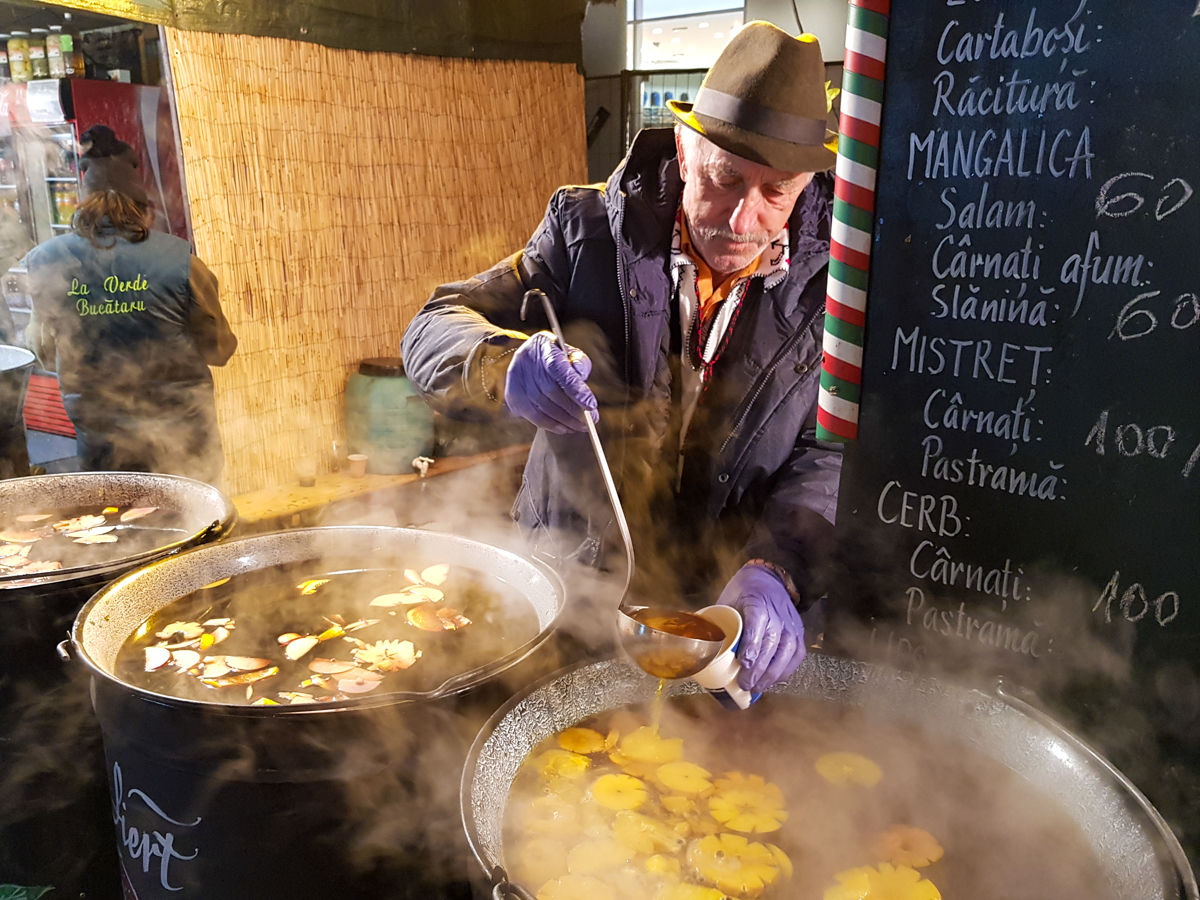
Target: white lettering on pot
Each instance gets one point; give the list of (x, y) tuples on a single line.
[(145, 846)]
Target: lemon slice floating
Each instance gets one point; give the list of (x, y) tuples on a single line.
[(748, 804), (684, 777), (582, 740), (733, 864), (887, 882), (904, 845), (849, 768), (619, 791), (645, 745)]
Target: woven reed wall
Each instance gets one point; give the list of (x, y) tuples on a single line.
[(331, 191)]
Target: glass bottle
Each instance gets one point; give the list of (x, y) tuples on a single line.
[(5, 74), (18, 56), (37, 53), (54, 56), (72, 56)]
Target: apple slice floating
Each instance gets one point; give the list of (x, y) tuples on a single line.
[(432, 594), (137, 512), (435, 574), (246, 663), (297, 648), (356, 685), (403, 598), (185, 659), (330, 666)]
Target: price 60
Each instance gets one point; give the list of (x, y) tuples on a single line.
[(1134, 321)]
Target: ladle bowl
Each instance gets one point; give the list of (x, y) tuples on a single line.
[(660, 653)]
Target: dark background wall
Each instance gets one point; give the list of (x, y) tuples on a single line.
[(542, 30)]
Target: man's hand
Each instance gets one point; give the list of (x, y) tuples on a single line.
[(547, 386), (772, 645)]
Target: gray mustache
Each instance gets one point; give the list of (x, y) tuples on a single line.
[(756, 237)]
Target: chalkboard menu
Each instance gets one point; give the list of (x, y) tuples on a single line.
[(1024, 496)]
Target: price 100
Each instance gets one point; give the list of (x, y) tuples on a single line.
[(1131, 439), (1133, 604)]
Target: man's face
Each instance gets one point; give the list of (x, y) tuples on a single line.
[(734, 207)]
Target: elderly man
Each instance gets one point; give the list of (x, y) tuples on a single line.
[(694, 283)]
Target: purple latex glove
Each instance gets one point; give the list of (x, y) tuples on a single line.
[(772, 645), (547, 387)]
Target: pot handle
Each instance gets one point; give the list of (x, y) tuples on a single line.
[(63, 649), (210, 532), (503, 889)]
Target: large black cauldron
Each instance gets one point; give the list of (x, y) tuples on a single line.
[(53, 817), (349, 799)]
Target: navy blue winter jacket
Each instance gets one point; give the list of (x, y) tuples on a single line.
[(755, 482)]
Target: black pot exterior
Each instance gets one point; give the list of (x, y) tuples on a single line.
[(53, 830), (349, 802), (334, 804), (54, 821), (354, 799)]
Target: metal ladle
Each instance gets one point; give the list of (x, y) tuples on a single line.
[(659, 653)]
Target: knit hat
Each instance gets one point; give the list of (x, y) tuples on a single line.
[(109, 164)]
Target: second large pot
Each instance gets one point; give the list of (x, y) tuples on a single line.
[(353, 798), (1139, 856)]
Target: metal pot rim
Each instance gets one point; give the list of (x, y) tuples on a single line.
[(999, 691), (489, 727), (215, 529), (456, 684)]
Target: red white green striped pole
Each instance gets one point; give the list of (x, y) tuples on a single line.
[(853, 217)]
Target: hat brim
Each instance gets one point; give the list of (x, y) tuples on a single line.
[(766, 151)]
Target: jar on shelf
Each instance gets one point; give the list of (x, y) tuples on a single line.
[(39, 67), (72, 56), (65, 202), (5, 73), (18, 57), (54, 54)]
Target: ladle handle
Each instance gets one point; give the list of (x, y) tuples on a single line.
[(609, 485)]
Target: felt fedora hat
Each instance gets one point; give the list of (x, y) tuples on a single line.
[(764, 100)]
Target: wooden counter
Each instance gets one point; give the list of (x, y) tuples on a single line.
[(292, 506)]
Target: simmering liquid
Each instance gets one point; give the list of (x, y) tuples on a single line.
[(679, 623), (667, 661), (1001, 837), (299, 634), (34, 541)]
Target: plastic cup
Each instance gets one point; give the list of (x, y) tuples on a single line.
[(719, 677), (306, 472), (357, 464)]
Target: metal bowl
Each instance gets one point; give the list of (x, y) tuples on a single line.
[(1140, 857)]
